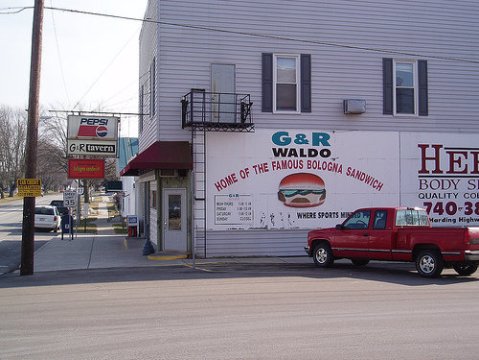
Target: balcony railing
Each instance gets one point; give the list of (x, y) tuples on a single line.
[(216, 111)]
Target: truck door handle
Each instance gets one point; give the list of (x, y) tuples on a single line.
[(365, 234)]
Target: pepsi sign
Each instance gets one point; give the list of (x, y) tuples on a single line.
[(92, 127)]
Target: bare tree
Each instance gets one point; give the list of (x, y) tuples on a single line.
[(51, 151), (52, 160), (51, 164), (54, 133), (13, 127)]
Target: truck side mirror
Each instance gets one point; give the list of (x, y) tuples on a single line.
[(339, 227)]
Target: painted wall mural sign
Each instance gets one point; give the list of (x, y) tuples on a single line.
[(442, 174), (233, 209), (299, 179), (308, 179)]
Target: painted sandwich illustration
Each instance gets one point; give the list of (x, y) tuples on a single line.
[(302, 190)]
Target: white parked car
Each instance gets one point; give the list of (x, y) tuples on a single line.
[(47, 217)]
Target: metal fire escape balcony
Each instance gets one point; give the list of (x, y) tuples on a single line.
[(216, 111)]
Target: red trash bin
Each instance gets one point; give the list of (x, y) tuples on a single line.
[(131, 231)]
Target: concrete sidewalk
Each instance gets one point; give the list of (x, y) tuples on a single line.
[(109, 250), (105, 249)]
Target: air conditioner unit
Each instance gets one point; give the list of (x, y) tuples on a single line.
[(167, 173), (354, 106)]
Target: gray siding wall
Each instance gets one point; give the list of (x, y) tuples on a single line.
[(347, 41), (148, 51), (439, 31), (251, 243)]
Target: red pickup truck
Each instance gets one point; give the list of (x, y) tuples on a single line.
[(396, 234)]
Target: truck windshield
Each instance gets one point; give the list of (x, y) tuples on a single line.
[(411, 217)]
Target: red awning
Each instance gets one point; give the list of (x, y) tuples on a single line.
[(161, 155)]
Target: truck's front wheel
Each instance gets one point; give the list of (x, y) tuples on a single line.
[(323, 255), (429, 263)]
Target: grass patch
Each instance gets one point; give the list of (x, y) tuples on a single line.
[(120, 228), (8, 199), (87, 225)]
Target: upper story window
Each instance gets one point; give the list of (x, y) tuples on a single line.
[(286, 83), (286, 78), (405, 87)]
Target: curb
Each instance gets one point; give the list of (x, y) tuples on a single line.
[(166, 257)]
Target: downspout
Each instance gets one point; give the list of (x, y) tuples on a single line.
[(159, 209)]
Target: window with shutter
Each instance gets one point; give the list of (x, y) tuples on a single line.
[(405, 87), (286, 82)]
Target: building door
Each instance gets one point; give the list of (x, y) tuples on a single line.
[(174, 220), (223, 87)]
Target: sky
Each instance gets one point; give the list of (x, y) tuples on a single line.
[(88, 62)]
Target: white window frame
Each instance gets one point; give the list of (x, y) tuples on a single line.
[(415, 85), (297, 59)]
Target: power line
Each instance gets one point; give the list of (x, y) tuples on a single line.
[(104, 70), (258, 35), (59, 54), (126, 87), (14, 10), (112, 113)]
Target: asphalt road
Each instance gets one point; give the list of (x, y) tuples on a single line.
[(235, 311), (11, 216)]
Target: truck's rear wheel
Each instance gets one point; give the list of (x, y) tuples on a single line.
[(323, 255), (429, 263), (360, 262), (465, 269)]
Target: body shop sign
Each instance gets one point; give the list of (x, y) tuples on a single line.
[(289, 179), (442, 175)]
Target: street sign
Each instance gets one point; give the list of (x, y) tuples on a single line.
[(70, 198), (105, 148), (29, 187), (86, 168)]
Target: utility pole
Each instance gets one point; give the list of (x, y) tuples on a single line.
[(28, 226)]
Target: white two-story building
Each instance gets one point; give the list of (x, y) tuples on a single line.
[(263, 119)]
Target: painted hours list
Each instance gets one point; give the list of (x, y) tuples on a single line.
[(233, 209)]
